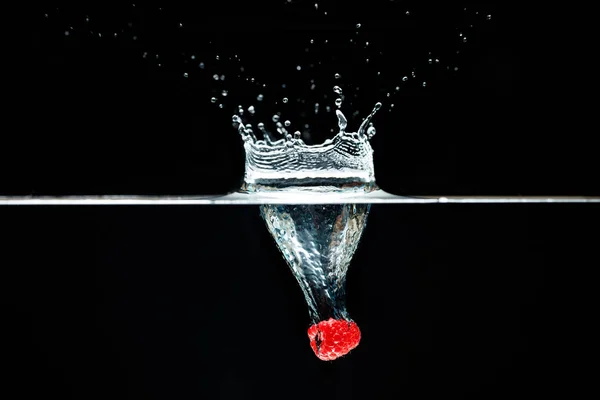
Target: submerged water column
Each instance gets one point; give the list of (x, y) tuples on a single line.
[(318, 242)]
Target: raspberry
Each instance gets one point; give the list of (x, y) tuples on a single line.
[(333, 338)]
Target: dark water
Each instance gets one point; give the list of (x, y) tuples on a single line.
[(188, 302)]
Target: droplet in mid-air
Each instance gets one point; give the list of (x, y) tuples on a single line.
[(338, 102), (251, 110), (337, 76), (287, 123), (260, 97), (285, 100), (275, 118), (216, 77), (357, 26), (404, 78), (337, 89), (213, 100), (185, 75), (224, 93)]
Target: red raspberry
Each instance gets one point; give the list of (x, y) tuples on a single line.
[(333, 338)]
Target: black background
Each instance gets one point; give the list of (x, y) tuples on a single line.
[(187, 302)]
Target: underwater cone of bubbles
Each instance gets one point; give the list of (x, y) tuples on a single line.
[(318, 242)]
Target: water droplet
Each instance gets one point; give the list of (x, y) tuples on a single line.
[(260, 97), (388, 94), (327, 108), (397, 87), (217, 57), (283, 86), (313, 86), (337, 89), (377, 106), (224, 93), (201, 65), (465, 39), (222, 77), (287, 123), (261, 126), (430, 61), (404, 78), (180, 25), (216, 77), (298, 67), (220, 105), (407, 12), (193, 57), (285, 100), (275, 118), (316, 6), (337, 76), (488, 17), (424, 84), (357, 26), (437, 60), (185, 75), (338, 102), (213, 100)]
